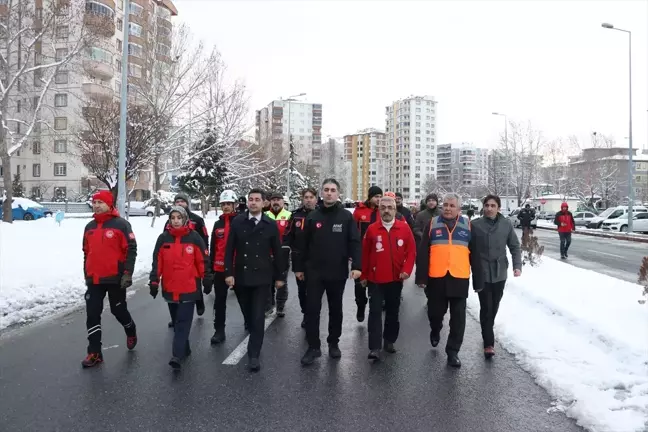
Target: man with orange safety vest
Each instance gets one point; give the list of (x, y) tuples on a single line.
[(446, 255)]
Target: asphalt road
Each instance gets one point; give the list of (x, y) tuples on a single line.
[(43, 387), (616, 258)]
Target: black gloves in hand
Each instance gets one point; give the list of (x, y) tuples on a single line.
[(153, 287), (126, 281), (208, 283)]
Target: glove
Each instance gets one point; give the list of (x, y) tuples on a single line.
[(126, 281), (208, 283), (153, 287)]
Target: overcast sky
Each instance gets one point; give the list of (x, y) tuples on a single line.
[(547, 61)]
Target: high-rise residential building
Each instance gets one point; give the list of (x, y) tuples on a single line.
[(280, 120), (411, 140), (49, 164), (462, 168), (332, 157), (368, 153)]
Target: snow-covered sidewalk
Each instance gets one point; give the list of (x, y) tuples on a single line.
[(584, 337), (41, 264)]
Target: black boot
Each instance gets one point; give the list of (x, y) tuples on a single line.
[(175, 363), (361, 313), (334, 351), (280, 312), (187, 349), (219, 337), (389, 347), (200, 307), (434, 339), (310, 356), (453, 360), (374, 355), (253, 364)]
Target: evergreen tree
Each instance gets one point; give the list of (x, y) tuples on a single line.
[(205, 174), (17, 186)]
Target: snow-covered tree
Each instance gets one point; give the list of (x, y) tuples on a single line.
[(38, 41), (17, 186)]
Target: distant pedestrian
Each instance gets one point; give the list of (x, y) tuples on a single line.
[(109, 252), (471, 212), (330, 240), (494, 233), (242, 205), (253, 260), (180, 263), (564, 220), (388, 256), (220, 233), (197, 224), (526, 216), (403, 210), (424, 216), (446, 256)]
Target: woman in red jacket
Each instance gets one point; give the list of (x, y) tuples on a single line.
[(180, 262), (388, 256)]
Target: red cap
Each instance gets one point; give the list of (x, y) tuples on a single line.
[(564, 205), (105, 196), (389, 195)]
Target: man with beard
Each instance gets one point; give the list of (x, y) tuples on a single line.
[(425, 215), (282, 216), (404, 211), (293, 236)]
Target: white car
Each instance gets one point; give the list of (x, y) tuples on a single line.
[(136, 208), (620, 224)]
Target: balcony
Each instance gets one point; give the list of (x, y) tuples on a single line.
[(103, 25), (98, 91), (98, 68)]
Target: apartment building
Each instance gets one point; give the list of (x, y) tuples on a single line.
[(50, 164), (366, 150), (411, 140), (283, 119), (462, 167)]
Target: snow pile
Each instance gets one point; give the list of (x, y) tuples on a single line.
[(584, 338), (41, 265)]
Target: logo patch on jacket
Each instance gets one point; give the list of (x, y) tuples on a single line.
[(131, 236), (363, 217), (438, 232), (282, 222), (400, 242), (318, 224), (110, 234), (189, 249), (337, 228), (298, 224), (379, 247), (220, 232)]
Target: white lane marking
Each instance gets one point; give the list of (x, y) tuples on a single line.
[(112, 346), (605, 253), (241, 350)]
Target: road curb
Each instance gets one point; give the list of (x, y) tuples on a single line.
[(636, 239)]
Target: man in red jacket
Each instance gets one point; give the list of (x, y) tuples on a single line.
[(217, 258), (566, 225), (388, 256), (109, 252)]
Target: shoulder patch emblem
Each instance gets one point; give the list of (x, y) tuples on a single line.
[(363, 217), (298, 224), (131, 236), (400, 242), (318, 224), (110, 234)]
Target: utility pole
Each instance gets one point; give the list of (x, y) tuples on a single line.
[(121, 170)]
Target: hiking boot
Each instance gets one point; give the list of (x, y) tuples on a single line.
[(218, 338), (310, 356), (489, 352), (92, 360), (334, 351)]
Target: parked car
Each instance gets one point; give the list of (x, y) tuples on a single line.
[(138, 208), (613, 213), (620, 224), (583, 218), (547, 215), (26, 209), (513, 217)]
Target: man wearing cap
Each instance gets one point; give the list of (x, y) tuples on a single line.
[(197, 224), (400, 208), (425, 215), (109, 252), (282, 217)]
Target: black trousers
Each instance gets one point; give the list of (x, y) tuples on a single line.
[(94, 298), (183, 318), (489, 301), (301, 292), (315, 289), (438, 304), (253, 300), (220, 300), (565, 241), (360, 295), (198, 303), (391, 294)]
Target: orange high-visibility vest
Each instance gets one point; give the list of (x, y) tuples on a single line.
[(449, 249)]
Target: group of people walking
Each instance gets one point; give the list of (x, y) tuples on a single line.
[(249, 251)]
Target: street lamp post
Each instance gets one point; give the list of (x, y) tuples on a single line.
[(121, 164), (291, 162), (631, 194), (508, 162)]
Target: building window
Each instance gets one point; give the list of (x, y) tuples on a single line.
[(60, 146), (60, 100), (36, 192), (120, 24), (100, 54), (36, 170), (136, 9), (119, 44), (61, 78), (60, 169), (60, 123), (61, 53), (134, 70), (96, 8), (118, 64), (62, 32), (36, 148), (18, 105), (135, 29), (135, 50)]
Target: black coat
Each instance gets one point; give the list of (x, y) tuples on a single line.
[(526, 216), (250, 250), (453, 287), (407, 215), (197, 224), (331, 237)]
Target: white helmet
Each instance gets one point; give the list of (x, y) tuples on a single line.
[(227, 196)]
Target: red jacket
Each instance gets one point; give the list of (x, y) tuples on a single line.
[(219, 241), (180, 261), (565, 221), (109, 248), (387, 254), (365, 216)]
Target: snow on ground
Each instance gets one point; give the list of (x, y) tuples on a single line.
[(41, 264), (584, 338)]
